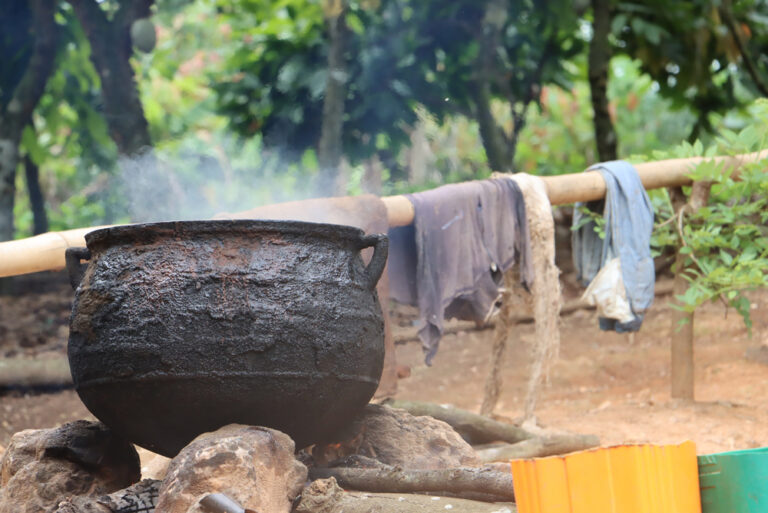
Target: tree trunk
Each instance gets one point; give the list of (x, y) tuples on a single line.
[(599, 60), (372, 179), (36, 198), (111, 50), (18, 112), (9, 147), (495, 141), (492, 135), (330, 145)]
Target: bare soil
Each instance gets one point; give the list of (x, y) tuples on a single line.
[(606, 384), (603, 383)]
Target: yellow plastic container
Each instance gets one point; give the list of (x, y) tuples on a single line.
[(622, 479)]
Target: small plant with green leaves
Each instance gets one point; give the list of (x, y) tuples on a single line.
[(725, 241)]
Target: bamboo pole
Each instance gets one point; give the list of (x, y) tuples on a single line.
[(46, 252)]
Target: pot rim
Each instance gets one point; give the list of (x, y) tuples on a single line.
[(148, 231)]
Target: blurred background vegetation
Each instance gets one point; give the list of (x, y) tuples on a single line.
[(116, 110)]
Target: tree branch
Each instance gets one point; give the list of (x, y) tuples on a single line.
[(533, 89), (330, 145)]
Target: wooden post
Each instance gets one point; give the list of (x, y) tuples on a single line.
[(681, 367), (682, 336)]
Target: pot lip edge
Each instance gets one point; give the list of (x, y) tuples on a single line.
[(115, 233)]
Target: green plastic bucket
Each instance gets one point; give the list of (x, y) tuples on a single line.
[(734, 482)]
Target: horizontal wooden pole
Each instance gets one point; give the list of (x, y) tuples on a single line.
[(46, 252), (589, 186), (40, 253)]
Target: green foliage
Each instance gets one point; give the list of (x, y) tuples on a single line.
[(69, 140), (559, 136), (400, 54), (275, 82), (688, 50), (593, 217), (726, 242), (204, 169)]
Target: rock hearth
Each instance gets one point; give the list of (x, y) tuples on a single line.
[(42, 466), (255, 466)]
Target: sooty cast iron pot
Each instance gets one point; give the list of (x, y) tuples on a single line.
[(179, 328)]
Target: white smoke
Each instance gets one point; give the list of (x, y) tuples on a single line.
[(202, 180)]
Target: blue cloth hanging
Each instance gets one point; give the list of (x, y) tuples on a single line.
[(628, 216)]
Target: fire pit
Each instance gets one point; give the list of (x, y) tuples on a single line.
[(180, 328)]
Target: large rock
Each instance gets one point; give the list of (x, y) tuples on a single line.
[(42, 466), (396, 437), (255, 466)]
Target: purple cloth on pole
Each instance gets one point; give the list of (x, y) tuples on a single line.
[(451, 261)]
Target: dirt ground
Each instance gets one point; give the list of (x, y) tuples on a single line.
[(618, 389), (603, 383)]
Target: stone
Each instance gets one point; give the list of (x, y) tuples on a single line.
[(321, 496), (153, 465), (254, 466), (395, 437), (40, 467)]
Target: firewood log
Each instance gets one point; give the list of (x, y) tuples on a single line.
[(476, 429), (539, 447), (479, 482), (325, 496)]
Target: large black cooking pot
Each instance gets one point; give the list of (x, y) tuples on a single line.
[(180, 328)]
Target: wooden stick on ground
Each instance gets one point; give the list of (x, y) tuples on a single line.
[(539, 447), (325, 496), (474, 428), (458, 481)]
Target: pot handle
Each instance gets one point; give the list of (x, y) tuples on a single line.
[(380, 243), (76, 270)]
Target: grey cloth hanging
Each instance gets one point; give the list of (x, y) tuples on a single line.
[(628, 216), (450, 263)]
